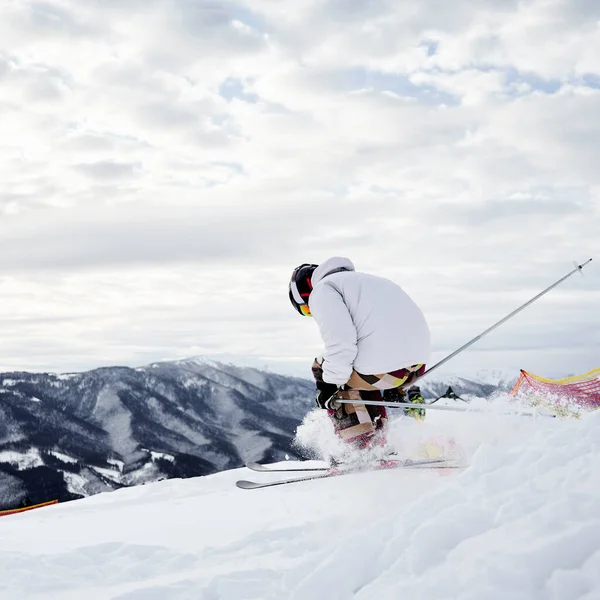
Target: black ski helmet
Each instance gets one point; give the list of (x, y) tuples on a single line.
[(301, 287)]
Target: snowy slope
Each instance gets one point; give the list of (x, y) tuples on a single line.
[(71, 435), (521, 522)]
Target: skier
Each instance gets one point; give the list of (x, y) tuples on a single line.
[(376, 343)]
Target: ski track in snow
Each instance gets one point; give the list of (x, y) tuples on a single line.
[(521, 522)]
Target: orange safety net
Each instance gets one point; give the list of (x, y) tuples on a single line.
[(583, 390), (14, 511)]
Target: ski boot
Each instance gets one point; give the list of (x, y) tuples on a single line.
[(414, 396)]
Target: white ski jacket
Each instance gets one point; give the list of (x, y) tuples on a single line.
[(367, 322)]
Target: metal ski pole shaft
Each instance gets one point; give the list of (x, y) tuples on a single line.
[(512, 314), (436, 407)]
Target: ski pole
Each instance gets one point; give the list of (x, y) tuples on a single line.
[(512, 314), (426, 406)]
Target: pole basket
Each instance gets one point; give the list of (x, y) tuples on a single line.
[(566, 397)]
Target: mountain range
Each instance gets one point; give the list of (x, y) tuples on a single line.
[(67, 436)]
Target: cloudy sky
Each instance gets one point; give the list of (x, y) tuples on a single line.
[(165, 164)]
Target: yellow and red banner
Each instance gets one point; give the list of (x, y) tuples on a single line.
[(579, 389), (14, 511)]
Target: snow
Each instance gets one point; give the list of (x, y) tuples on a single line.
[(115, 419), (159, 455), (23, 460), (499, 377), (182, 428), (522, 521), (76, 483), (119, 464), (219, 361), (66, 376), (115, 476), (64, 457)]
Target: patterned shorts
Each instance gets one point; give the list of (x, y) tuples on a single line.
[(385, 381), (358, 423)]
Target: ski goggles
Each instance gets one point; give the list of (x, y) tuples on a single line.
[(305, 310)]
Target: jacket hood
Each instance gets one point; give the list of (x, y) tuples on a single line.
[(334, 263)]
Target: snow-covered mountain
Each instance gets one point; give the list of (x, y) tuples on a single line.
[(77, 434), (72, 435)]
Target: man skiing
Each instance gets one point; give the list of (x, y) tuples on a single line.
[(376, 343)]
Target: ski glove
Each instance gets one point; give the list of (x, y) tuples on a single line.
[(324, 398)]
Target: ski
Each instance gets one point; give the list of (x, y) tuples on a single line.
[(253, 485), (260, 468), (255, 466)]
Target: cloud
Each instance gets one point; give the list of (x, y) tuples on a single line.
[(107, 170), (450, 146)]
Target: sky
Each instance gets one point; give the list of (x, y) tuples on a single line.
[(165, 164)]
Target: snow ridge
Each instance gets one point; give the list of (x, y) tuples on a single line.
[(520, 522)]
